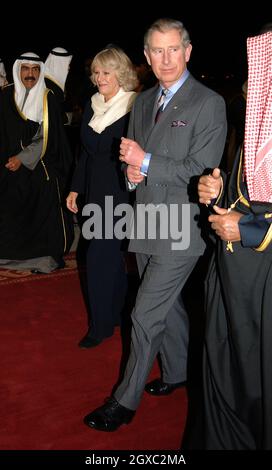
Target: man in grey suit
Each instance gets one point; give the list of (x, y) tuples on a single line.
[(176, 131)]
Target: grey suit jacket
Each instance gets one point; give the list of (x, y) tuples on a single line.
[(188, 138)]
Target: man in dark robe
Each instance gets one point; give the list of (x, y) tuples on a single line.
[(238, 347), (35, 159)]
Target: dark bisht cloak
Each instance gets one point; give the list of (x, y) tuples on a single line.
[(33, 221)]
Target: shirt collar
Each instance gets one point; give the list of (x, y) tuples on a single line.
[(174, 88)]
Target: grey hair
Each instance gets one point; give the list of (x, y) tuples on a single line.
[(116, 59), (165, 24)]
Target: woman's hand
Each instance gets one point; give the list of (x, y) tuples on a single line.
[(71, 202), (134, 175)]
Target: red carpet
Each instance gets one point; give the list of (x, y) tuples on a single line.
[(48, 384)]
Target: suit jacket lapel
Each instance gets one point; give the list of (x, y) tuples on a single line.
[(173, 110), (149, 112), (179, 101)]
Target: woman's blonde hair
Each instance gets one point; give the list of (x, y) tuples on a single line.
[(117, 60)]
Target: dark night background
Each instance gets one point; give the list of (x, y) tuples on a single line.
[(218, 32)]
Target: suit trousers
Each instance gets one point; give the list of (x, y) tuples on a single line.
[(159, 324)]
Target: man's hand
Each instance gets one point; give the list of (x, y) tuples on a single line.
[(209, 186), (134, 175), (131, 153), (71, 202), (225, 224), (13, 164)]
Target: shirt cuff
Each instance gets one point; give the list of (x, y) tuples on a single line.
[(145, 164)]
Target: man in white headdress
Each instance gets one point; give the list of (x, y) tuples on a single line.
[(3, 77), (34, 161), (56, 70)]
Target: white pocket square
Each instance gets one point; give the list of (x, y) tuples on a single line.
[(178, 123)]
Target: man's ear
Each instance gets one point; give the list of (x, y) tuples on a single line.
[(147, 57), (188, 51)]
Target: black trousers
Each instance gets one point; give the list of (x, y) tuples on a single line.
[(107, 286)]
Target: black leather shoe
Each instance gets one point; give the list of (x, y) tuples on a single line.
[(109, 417), (89, 342), (158, 387)]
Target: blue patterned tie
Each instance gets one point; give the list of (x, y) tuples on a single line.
[(160, 104)]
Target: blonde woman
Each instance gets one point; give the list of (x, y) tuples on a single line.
[(99, 175)]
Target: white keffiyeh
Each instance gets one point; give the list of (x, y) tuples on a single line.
[(106, 113), (3, 80), (33, 106), (56, 66)]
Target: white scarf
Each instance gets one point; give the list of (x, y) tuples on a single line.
[(105, 113)]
